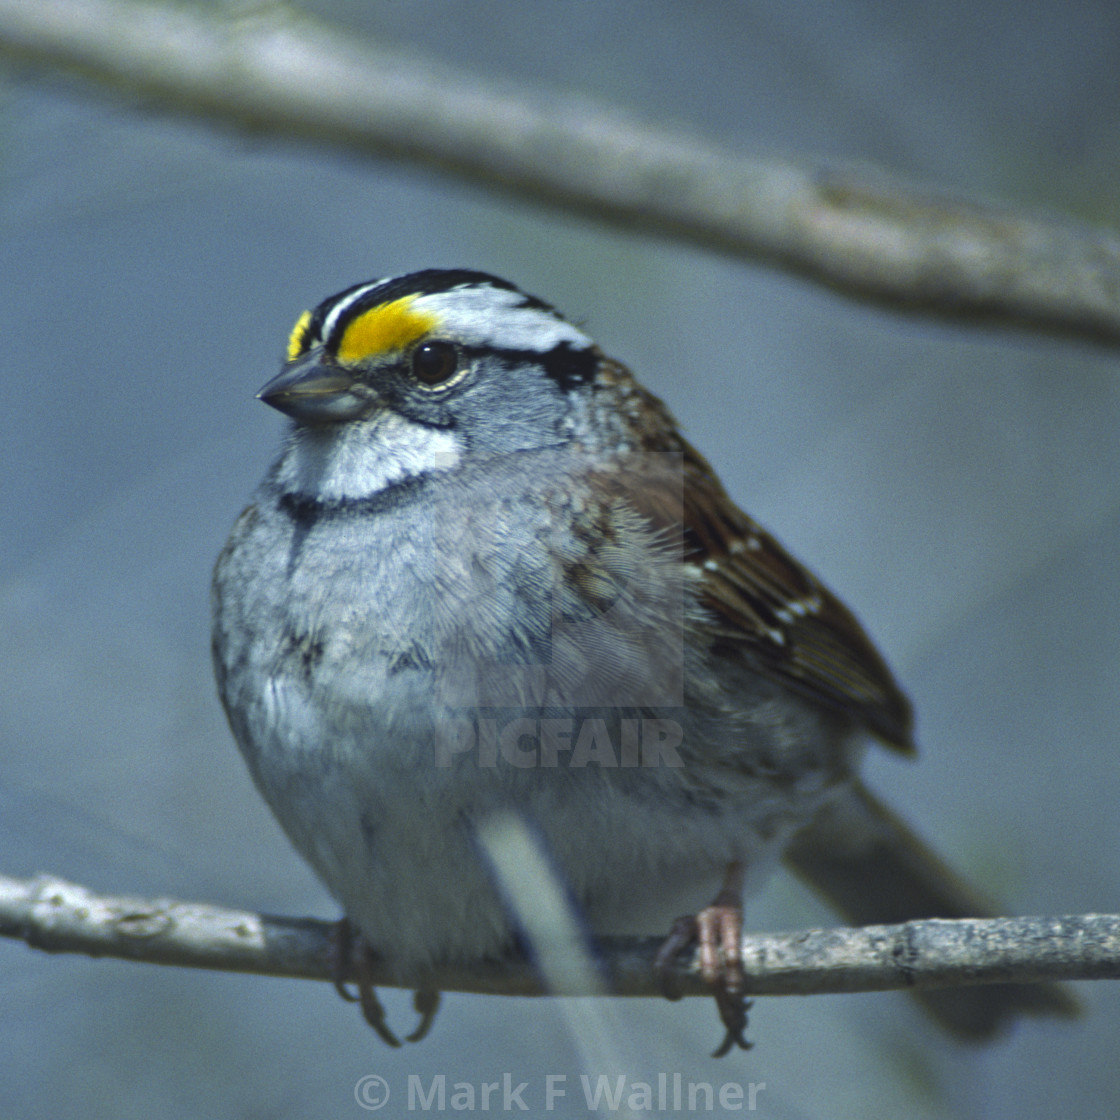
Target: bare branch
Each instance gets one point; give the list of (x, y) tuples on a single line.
[(855, 230), (59, 917)]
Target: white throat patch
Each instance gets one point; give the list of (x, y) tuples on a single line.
[(359, 460)]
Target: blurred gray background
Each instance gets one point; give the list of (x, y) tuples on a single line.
[(957, 486)]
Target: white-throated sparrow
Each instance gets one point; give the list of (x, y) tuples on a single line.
[(486, 573)]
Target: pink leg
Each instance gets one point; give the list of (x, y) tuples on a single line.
[(717, 932)]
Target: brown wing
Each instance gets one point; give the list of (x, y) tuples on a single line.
[(764, 605)]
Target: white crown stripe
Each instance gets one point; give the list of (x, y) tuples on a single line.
[(497, 318), (341, 307)]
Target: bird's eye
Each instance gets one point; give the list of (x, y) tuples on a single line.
[(434, 363)]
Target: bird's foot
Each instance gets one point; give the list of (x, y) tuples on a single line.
[(353, 962), (717, 933)]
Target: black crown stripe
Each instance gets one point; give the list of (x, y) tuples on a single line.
[(319, 315)]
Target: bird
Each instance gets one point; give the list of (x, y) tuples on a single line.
[(487, 573)]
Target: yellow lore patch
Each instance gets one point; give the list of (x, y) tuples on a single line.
[(392, 326), (297, 340)]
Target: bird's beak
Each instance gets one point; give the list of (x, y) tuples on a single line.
[(312, 392)]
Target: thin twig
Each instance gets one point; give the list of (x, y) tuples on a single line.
[(59, 917), (858, 231)]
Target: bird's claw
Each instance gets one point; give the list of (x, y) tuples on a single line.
[(425, 1001), (352, 957), (717, 933), (733, 1010), (683, 935)]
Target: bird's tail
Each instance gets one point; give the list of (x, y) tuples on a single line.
[(870, 867)]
